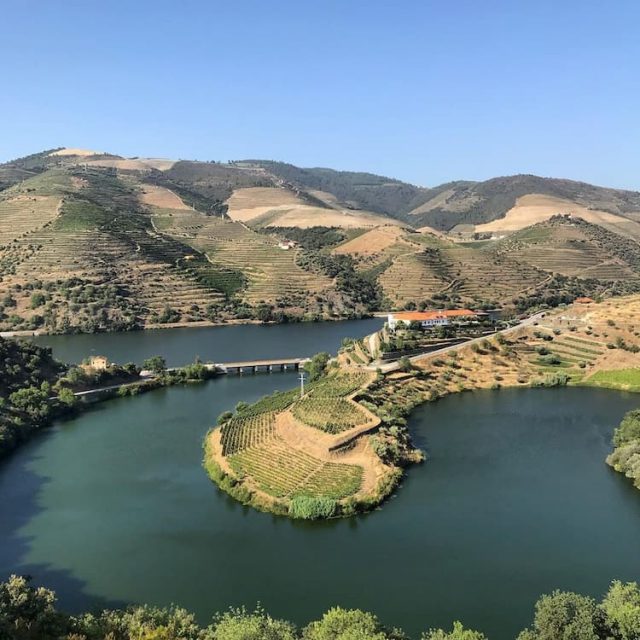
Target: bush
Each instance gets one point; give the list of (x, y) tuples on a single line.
[(308, 508), (559, 379)]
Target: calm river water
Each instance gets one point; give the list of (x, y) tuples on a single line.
[(218, 344), (515, 500)]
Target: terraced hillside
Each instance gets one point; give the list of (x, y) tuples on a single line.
[(574, 247), (565, 255), (271, 274), (91, 241), (89, 228), (167, 261)]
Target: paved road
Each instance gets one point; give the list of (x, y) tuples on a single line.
[(394, 365)]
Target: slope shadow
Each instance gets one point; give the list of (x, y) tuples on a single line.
[(20, 488)]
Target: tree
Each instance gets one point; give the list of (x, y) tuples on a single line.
[(33, 402), (457, 633), (629, 428), (317, 366), (347, 624), (66, 397), (157, 364), (27, 613), (238, 624), (564, 615), (621, 606)]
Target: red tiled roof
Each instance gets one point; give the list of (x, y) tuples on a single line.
[(419, 316)]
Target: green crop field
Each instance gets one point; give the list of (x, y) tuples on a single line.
[(332, 415), (239, 434), (624, 379), (338, 385), (282, 471)]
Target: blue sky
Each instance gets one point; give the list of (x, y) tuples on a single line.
[(421, 90)]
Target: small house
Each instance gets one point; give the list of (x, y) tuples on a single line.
[(96, 363)]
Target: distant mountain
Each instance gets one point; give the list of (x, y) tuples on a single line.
[(475, 203), (92, 241)]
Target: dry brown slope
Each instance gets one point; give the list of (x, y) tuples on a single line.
[(534, 208), (281, 207)]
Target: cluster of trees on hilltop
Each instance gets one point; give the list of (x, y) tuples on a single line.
[(364, 190), (311, 238), (28, 613), (361, 292), (479, 202), (206, 185)]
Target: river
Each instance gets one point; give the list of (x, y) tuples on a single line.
[(229, 343), (515, 501)]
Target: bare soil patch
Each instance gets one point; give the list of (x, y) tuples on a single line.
[(130, 164), (374, 241), (286, 209), (162, 198), (74, 151), (534, 208)]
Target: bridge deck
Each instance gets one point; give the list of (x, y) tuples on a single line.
[(263, 363)]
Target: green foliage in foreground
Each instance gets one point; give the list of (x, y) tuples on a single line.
[(626, 455), (28, 613)]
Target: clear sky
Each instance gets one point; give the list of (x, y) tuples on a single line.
[(426, 91)]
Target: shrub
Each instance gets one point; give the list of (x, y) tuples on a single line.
[(309, 508), (559, 379)]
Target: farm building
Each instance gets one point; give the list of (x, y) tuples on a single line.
[(584, 300), (429, 319), (96, 363)]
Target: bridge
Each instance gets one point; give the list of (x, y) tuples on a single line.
[(253, 366)]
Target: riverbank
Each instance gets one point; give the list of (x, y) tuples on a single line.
[(196, 324), (36, 389), (572, 346), (305, 456)]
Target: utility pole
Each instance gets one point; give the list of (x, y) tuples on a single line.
[(302, 384)]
